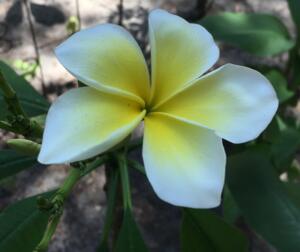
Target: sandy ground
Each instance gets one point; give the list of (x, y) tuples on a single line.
[(82, 221)]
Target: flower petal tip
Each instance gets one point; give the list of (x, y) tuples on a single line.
[(213, 202)]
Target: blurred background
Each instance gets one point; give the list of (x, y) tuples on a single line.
[(30, 30)]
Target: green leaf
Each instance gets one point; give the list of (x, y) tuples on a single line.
[(12, 162), (22, 225), (202, 230), (263, 200), (280, 85), (129, 239), (260, 34), (33, 103)]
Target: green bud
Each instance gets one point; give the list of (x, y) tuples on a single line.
[(24, 146), (43, 203), (72, 25), (40, 119)]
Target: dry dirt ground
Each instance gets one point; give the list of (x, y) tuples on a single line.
[(82, 221)]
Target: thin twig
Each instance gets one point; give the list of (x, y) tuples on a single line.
[(121, 14), (36, 48), (78, 14)]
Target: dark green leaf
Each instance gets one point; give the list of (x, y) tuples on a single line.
[(294, 6), (293, 172), (260, 34), (32, 102), (294, 68), (22, 225), (274, 129), (284, 148), (284, 142), (112, 177), (293, 190), (12, 162), (263, 200), (231, 211), (103, 247), (193, 238), (202, 230), (129, 239), (280, 85)]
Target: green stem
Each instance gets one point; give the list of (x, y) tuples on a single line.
[(50, 230), (26, 127), (56, 208), (6, 126), (135, 144), (11, 98), (95, 164), (122, 162), (69, 183), (56, 205), (136, 165), (111, 199), (67, 186), (21, 123)]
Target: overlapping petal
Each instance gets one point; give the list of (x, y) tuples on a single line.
[(180, 52), (184, 163), (237, 102), (85, 122), (108, 58)]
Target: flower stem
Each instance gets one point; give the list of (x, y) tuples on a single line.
[(134, 144), (69, 183), (113, 184), (51, 227), (136, 165), (55, 207), (94, 164), (122, 162)]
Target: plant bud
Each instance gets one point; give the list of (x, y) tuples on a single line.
[(24, 146)]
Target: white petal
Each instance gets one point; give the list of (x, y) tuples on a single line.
[(185, 164), (107, 57), (85, 122), (180, 52), (235, 101)]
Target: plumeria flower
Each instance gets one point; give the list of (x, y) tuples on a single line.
[(185, 114)]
